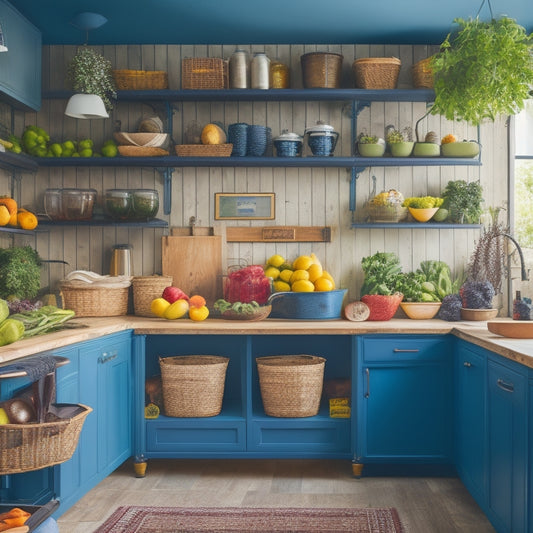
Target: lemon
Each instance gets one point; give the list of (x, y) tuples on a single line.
[(3, 417), (176, 310), (281, 286), (198, 313), (298, 275), (315, 272), (4, 215), (327, 275), (272, 272), (276, 260), (285, 275), (303, 285), (323, 284), (302, 263), (159, 306)]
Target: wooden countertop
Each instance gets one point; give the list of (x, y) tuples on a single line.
[(82, 329)]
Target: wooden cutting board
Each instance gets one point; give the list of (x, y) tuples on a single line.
[(195, 262)]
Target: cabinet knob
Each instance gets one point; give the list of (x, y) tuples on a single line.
[(468, 364)]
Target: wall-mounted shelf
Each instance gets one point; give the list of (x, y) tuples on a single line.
[(413, 225), (9, 229), (96, 221), (17, 162)]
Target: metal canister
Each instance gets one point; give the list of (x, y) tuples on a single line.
[(121, 260), (239, 70), (260, 71), (279, 75)]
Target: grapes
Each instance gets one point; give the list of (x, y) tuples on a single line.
[(17, 306)]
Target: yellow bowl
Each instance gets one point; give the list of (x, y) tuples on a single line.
[(423, 215), (420, 310)]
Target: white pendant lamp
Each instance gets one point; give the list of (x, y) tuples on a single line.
[(3, 44), (86, 106)]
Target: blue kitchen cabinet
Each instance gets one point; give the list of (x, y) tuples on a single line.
[(470, 418), (507, 445), (404, 400), (20, 66), (99, 376)]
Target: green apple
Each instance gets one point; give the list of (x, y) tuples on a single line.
[(85, 144), (109, 150), (86, 152), (56, 149)]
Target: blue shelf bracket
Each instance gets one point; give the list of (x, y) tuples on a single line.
[(355, 171), (166, 174)]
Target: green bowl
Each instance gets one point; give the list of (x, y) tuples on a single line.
[(426, 150), (371, 150), (402, 149), (460, 149)]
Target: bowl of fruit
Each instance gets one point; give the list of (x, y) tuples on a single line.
[(387, 207)]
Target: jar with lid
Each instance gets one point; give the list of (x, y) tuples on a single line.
[(53, 204), (322, 139), (117, 203), (279, 75), (260, 71), (145, 203), (288, 144), (239, 70), (78, 204)]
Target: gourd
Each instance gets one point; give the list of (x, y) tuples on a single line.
[(213, 134)]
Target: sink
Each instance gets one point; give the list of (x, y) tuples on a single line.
[(515, 329)]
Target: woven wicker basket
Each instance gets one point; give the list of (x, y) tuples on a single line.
[(422, 74), (25, 447), (138, 80), (386, 213), (95, 301), (204, 150), (291, 385), (193, 385), (321, 70), (145, 289), (204, 73), (141, 151), (376, 72)]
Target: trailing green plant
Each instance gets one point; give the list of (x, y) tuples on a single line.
[(364, 138), (463, 200), (91, 73), (483, 70)]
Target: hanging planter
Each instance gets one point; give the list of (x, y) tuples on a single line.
[(483, 70)]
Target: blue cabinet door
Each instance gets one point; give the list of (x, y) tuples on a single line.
[(507, 445), (405, 400), (470, 419)]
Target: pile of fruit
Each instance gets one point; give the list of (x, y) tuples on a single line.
[(304, 274), (36, 142), (12, 215), (174, 304)]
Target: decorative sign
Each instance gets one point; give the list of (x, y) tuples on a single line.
[(244, 206)]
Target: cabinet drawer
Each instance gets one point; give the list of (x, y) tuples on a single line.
[(186, 435), (305, 436), (408, 348)]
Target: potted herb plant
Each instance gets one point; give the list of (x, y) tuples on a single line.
[(463, 201), (484, 69), (91, 73), (400, 142), (370, 145)]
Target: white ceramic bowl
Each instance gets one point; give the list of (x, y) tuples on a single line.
[(154, 140)]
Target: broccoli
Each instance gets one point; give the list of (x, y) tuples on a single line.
[(20, 272)]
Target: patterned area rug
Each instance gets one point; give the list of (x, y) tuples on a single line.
[(133, 519)]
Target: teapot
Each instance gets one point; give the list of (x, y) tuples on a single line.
[(321, 138)]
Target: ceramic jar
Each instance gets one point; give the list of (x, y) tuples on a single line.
[(322, 139)]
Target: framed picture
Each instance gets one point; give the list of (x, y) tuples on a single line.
[(244, 206)]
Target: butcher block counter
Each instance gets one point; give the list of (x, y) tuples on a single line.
[(82, 329)]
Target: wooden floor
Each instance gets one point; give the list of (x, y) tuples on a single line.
[(425, 505)]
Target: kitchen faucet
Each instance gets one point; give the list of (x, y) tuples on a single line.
[(525, 276)]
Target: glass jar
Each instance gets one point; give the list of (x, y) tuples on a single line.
[(260, 71), (279, 75), (78, 204), (145, 203), (117, 203), (53, 204)]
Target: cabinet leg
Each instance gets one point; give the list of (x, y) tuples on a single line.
[(357, 469), (140, 468)]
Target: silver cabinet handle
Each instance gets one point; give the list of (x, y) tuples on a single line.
[(367, 372), (468, 364), (399, 350), (107, 356), (507, 387)]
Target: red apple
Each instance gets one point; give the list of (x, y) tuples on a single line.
[(171, 294)]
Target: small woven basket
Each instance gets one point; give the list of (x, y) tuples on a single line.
[(376, 72), (204, 73), (145, 289), (95, 301), (321, 70), (386, 213), (204, 150), (138, 80), (193, 385), (26, 447), (423, 74), (291, 385)]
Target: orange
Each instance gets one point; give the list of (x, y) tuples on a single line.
[(198, 313), (10, 203), (159, 306), (26, 219), (323, 284), (196, 301), (303, 285)]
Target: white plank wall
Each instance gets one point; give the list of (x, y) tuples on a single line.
[(303, 196)]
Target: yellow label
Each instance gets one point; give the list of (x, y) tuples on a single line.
[(339, 408)]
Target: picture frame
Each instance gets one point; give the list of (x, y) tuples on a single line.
[(244, 206)]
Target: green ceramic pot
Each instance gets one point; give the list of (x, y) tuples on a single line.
[(426, 150), (371, 150), (460, 149), (402, 149)]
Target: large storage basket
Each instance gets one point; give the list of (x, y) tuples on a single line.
[(376, 72), (204, 150), (95, 301), (423, 74), (26, 447), (140, 79), (204, 73), (321, 70), (146, 289), (193, 385), (291, 385)]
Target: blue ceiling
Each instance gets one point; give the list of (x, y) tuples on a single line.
[(263, 22)]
